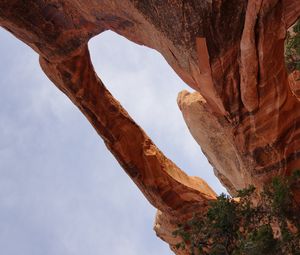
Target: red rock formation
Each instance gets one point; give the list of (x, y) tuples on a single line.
[(294, 79), (244, 114)]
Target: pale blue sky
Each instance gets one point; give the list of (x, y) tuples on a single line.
[(61, 191)]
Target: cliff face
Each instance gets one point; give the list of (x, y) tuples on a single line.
[(244, 113)]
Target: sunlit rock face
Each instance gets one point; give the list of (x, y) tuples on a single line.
[(216, 137), (244, 113)]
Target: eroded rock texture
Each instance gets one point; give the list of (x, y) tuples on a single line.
[(244, 114)]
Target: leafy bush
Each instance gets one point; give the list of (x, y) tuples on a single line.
[(292, 48), (245, 228), (259, 241)]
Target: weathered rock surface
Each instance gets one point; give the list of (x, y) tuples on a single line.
[(244, 114), (294, 79), (216, 137)]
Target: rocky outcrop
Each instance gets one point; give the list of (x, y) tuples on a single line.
[(216, 137), (244, 114)]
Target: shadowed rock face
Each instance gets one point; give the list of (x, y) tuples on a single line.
[(243, 113)]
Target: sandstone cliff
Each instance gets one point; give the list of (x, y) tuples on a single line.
[(244, 113)]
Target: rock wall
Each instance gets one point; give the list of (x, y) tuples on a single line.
[(243, 114)]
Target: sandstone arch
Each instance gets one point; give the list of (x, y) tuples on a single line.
[(231, 53)]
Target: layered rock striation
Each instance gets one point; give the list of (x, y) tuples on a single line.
[(244, 113)]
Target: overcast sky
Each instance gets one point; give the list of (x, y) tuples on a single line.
[(61, 191)]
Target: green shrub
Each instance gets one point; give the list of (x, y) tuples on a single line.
[(242, 228), (292, 48), (260, 241)]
